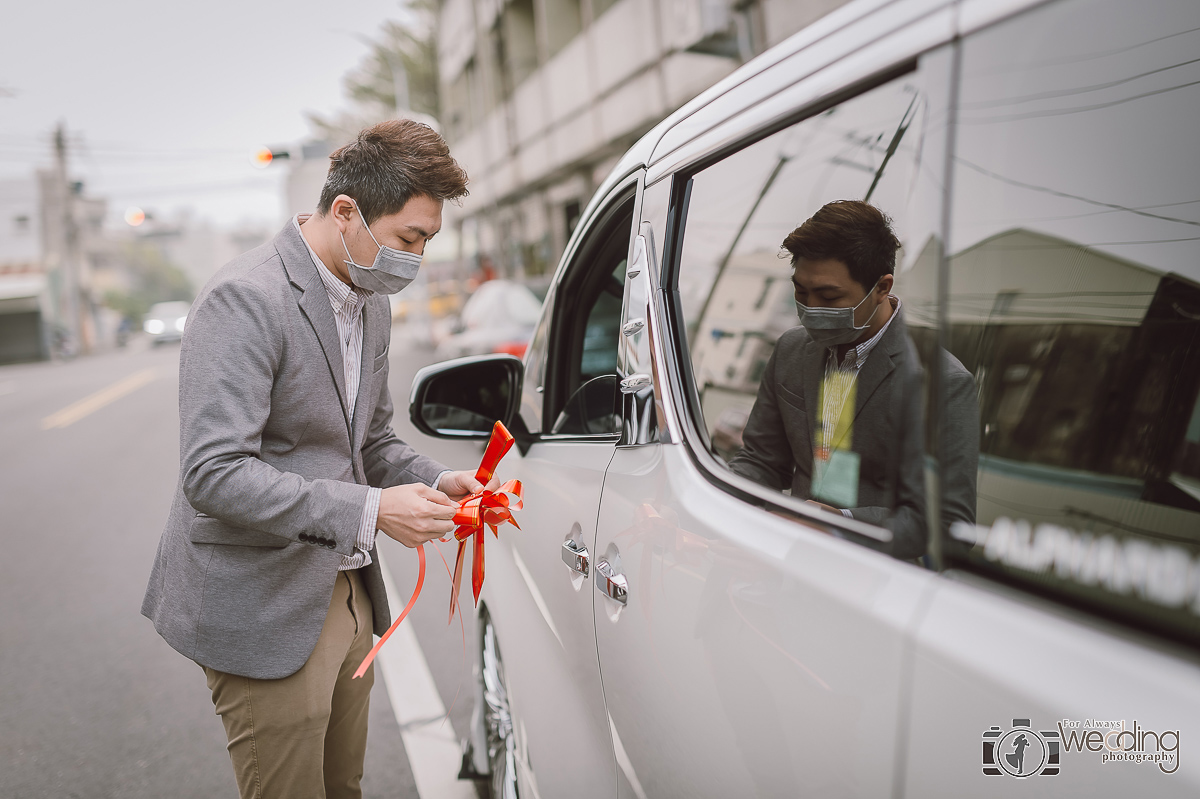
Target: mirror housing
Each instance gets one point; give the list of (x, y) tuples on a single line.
[(464, 397)]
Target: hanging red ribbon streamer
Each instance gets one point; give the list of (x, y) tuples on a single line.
[(484, 509), (479, 509), (366, 664)]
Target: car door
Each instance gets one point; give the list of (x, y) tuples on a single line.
[(538, 596), (750, 644), (1059, 655)]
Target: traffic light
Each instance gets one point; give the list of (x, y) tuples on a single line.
[(263, 156)]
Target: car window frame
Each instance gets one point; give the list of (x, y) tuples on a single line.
[(624, 194)]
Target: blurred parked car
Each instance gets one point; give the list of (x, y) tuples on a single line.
[(165, 321), (498, 317), (663, 626)]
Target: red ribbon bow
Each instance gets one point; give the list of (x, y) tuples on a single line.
[(483, 508)]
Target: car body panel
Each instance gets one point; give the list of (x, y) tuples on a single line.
[(543, 618), (987, 653), (755, 655)]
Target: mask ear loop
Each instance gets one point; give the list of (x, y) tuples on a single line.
[(367, 227), (867, 323)]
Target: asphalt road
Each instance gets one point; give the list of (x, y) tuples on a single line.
[(92, 702)]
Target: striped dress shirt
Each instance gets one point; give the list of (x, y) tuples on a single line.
[(850, 366), (347, 302)]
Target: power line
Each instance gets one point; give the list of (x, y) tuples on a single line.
[(1086, 57), (1071, 92), (1077, 110), (1069, 196), (195, 188)]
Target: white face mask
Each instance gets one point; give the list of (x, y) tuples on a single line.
[(830, 327), (392, 270)]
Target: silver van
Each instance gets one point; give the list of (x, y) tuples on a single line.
[(665, 626)]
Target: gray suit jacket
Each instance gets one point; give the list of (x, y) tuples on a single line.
[(273, 475), (889, 431)]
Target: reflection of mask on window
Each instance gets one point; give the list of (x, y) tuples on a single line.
[(830, 327), (392, 270)]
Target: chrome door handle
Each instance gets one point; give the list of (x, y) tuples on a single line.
[(613, 585), (575, 555)]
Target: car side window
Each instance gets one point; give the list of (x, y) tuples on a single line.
[(582, 378), (800, 415), (1074, 299)]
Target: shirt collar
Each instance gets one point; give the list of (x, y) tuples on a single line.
[(340, 295), (857, 356)]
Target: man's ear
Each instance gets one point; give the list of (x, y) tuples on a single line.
[(884, 286), (342, 210)]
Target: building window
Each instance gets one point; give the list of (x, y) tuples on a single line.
[(563, 23), (571, 213)]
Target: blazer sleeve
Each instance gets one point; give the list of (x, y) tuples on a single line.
[(766, 456), (227, 366), (960, 445), (387, 460)]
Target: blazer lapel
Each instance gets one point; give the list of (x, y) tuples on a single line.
[(363, 404), (881, 362), (314, 304)]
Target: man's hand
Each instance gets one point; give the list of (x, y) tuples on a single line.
[(460, 484), (824, 507), (415, 513)]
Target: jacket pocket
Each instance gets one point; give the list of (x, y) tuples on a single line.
[(207, 530), (785, 394), (381, 359)]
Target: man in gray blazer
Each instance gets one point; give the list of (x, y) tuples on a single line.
[(839, 416), (267, 573)]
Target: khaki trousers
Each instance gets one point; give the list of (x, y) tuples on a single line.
[(305, 736)]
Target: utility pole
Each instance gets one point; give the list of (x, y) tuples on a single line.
[(74, 311)]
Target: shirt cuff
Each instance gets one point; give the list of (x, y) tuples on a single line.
[(369, 523), (847, 513), (438, 480)]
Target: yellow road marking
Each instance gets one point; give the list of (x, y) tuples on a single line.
[(77, 410)]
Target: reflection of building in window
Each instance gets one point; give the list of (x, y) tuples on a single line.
[(752, 305), (1088, 371)]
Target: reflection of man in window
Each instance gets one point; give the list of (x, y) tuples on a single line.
[(839, 413)]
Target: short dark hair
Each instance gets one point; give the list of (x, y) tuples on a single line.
[(851, 231), (389, 164)]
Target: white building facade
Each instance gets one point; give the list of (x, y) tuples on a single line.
[(541, 97)]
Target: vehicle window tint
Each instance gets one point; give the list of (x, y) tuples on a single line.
[(1075, 300), (599, 355), (583, 389), (778, 406), (532, 391)]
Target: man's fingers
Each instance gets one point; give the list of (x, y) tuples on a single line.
[(439, 511), (433, 495), (435, 528)]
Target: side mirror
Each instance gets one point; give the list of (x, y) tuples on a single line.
[(464, 397)]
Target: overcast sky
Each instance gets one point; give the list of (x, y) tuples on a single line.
[(165, 101)]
